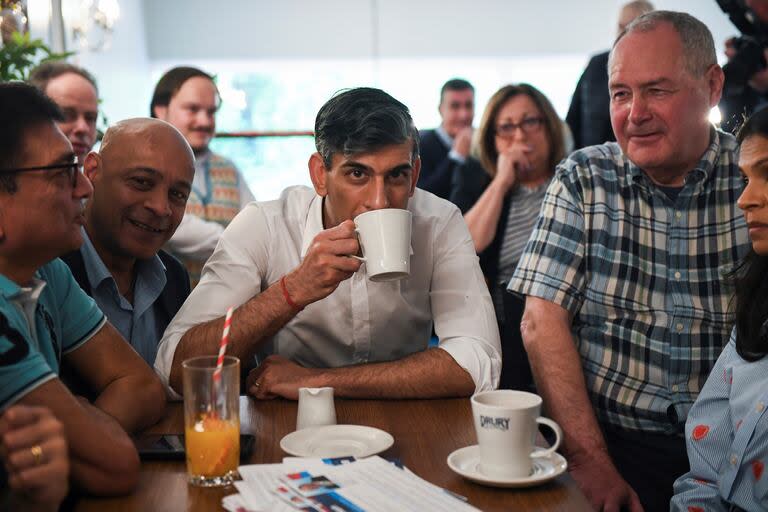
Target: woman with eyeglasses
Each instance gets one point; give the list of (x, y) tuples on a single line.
[(727, 428), (500, 190)]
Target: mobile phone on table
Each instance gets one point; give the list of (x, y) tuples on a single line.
[(171, 447)]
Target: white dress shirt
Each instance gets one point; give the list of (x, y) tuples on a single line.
[(361, 321)]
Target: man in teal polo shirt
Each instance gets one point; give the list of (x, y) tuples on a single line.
[(46, 321)]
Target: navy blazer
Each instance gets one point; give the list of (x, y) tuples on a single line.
[(589, 115), (436, 167)]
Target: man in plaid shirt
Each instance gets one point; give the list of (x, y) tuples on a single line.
[(627, 301)]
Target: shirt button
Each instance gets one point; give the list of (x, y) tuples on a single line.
[(678, 214), (678, 275), (760, 406), (675, 388), (679, 327), (734, 460)]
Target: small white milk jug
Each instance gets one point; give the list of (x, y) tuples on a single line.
[(315, 408)]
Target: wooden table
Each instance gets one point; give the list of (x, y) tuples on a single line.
[(425, 432)]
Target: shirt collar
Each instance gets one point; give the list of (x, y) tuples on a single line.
[(314, 224), (152, 270), (11, 290), (700, 172), (447, 139), (96, 270)]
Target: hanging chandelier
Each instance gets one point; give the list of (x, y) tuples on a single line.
[(93, 24)]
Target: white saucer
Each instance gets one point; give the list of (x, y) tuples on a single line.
[(466, 462), (336, 441)]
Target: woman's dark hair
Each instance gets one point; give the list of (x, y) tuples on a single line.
[(752, 275)]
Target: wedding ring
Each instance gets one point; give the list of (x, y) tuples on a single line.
[(37, 453)]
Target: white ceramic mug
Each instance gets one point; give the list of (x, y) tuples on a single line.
[(316, 408), (385, 239), (506, 426)]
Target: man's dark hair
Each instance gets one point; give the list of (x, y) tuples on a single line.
[(751, 296), (455, 84), (24, 107), (361, 120), (170, 83), (47, 71)]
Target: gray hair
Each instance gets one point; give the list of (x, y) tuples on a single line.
[(696, 39), (641, 6)]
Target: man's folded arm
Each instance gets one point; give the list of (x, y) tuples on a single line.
[(103, 459), (432, 373), (127, 389)]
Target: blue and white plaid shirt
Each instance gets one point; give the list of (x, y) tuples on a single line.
[(642, 275)]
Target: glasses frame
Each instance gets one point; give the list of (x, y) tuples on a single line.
[(74, 166), (535, 123)]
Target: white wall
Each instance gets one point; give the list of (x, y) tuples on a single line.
[(558, 34), (123, 70), (259, 29)]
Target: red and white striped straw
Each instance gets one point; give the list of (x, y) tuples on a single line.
[(223, 346)]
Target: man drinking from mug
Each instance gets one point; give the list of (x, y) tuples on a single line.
[(305, 307)]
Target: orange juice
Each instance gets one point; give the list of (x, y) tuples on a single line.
[(213, 446)]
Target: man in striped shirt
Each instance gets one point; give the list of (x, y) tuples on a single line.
[(624, 274)]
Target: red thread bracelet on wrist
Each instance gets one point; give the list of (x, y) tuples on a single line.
[(287, 296)]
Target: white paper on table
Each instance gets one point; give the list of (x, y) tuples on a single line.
[(372, 484), (259, 484), (235, 503), (313, 465), (383, 487)]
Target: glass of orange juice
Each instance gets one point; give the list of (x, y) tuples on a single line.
[(211, 420)]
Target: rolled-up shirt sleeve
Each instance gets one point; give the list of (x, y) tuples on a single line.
[(551, 267), (462, 310)]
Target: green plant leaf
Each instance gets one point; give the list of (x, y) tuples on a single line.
[(21, 54)]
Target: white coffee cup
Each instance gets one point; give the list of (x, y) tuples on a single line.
[(316, 408), (385, 240), (506, 426)]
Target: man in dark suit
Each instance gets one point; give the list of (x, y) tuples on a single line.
[(141, 176), (447, 146), (588, 116)]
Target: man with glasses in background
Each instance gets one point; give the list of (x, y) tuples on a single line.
[(74, 90), (47, 322)]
